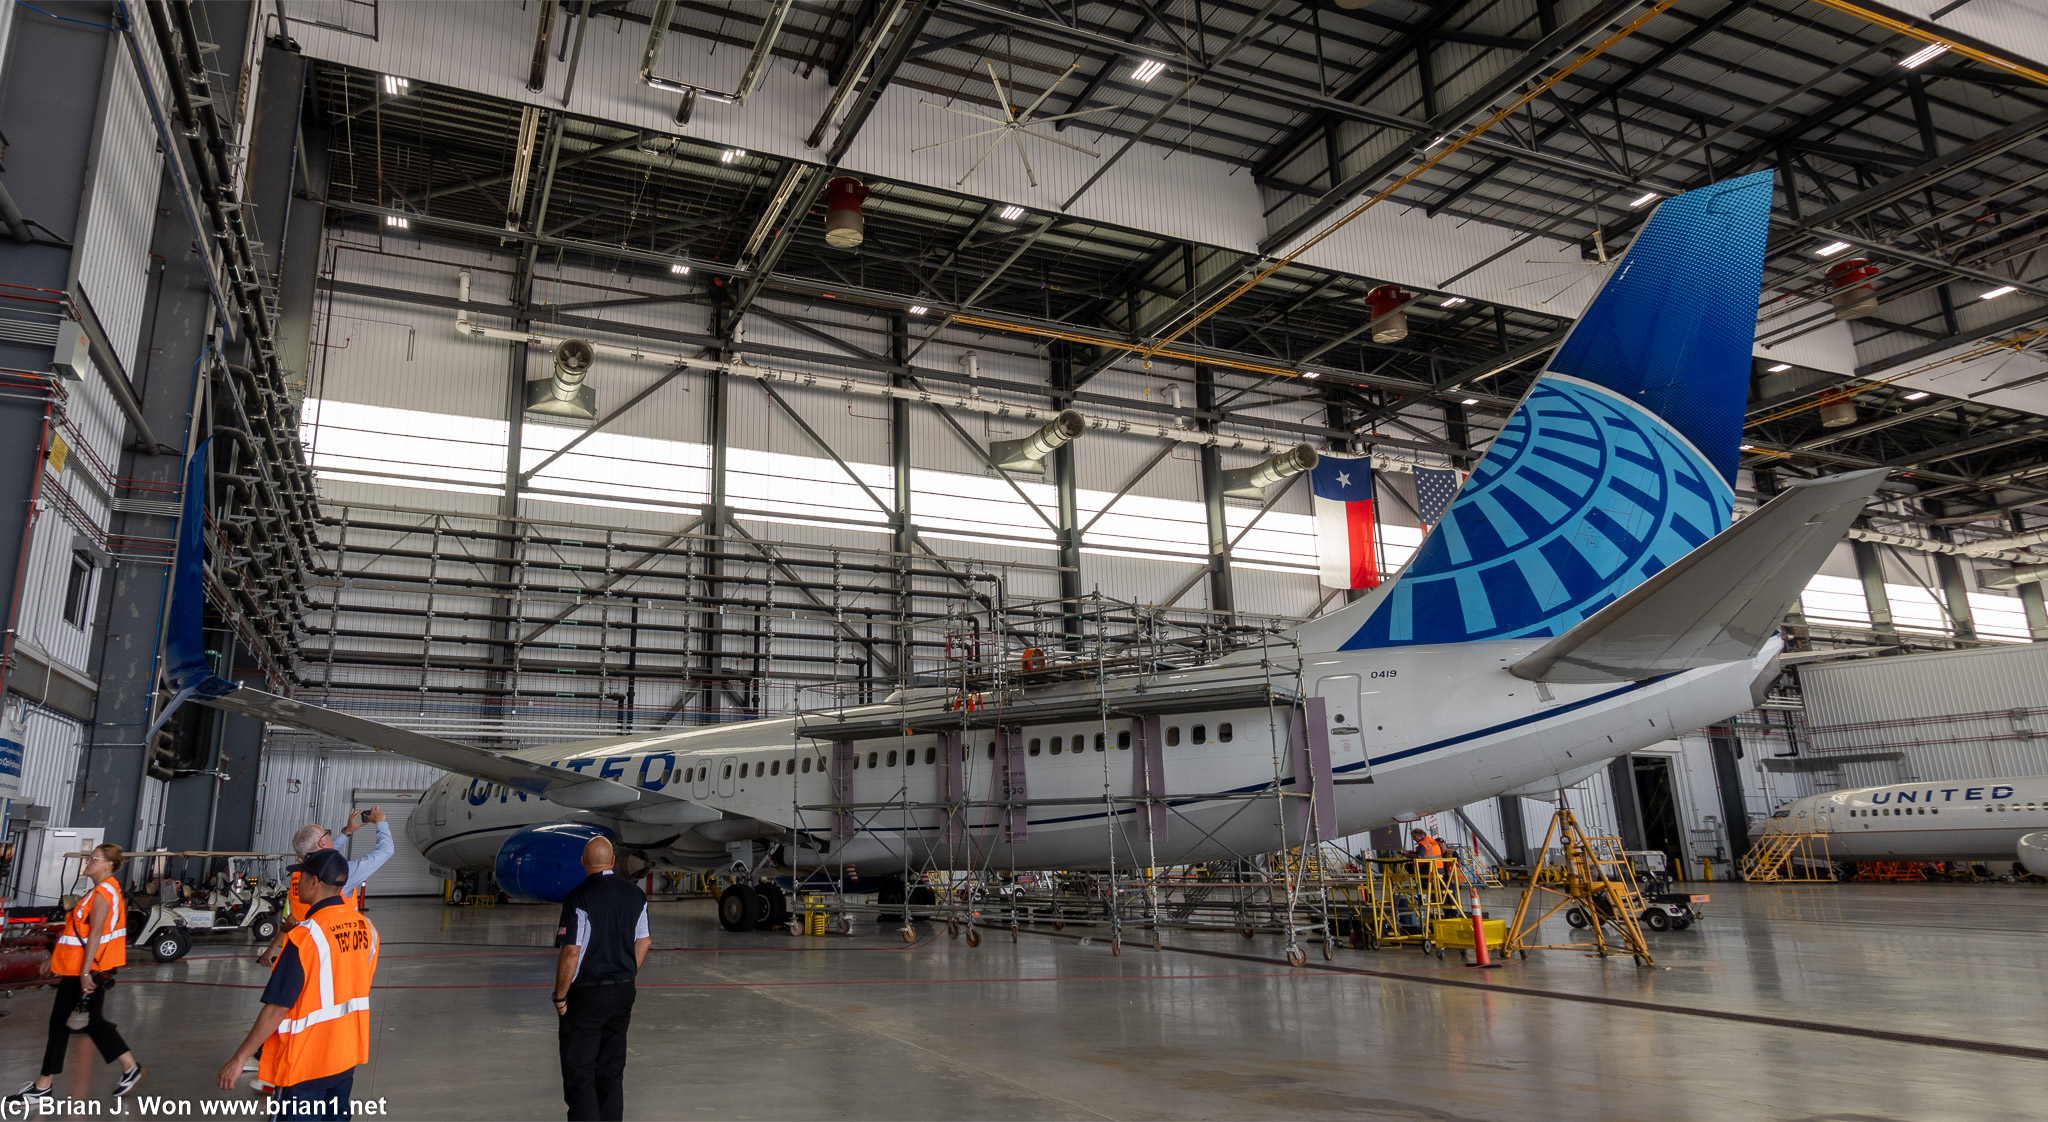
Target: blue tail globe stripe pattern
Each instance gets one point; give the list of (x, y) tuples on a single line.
[(1621, 459)]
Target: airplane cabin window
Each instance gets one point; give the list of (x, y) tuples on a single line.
[(1172, 736), (1056, 742), (775, 768), (728, 772), (873, 756), (1034, 746), (931, 755), (1223, 732), (1123, 739), (1198, 735), (892, 757), (991, 749), (1098, 742), (807, 765)]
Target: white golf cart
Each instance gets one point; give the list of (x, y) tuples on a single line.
[(243, 893)]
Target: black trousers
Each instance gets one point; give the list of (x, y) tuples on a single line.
[(593, 1039), (101, 1030)]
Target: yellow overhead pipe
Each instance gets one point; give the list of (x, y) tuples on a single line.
[(1928, 36)]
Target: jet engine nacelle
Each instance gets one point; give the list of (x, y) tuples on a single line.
[(541, 863), (2033, 853)]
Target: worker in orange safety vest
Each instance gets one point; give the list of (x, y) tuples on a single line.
[(314, 1029), (1425, 845), (92, 944)]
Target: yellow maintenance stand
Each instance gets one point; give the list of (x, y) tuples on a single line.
[(1592, 884)]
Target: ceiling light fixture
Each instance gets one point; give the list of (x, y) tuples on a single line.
[(1011, 213), (396, 222), (394, 85), (679, 270), (731, 154), (1830, 249), (1779, 369), (1148, 70), (1311, 373), (1916, 395), (918, 309), (1647, 196), (1749, 448), (1995, 293), (1924, 55), (1470, 401), (1451, 301), (1434, 143)]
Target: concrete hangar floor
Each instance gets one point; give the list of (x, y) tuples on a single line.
[(1786, 1002)]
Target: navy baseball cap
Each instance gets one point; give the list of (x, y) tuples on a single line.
[(326, 864)]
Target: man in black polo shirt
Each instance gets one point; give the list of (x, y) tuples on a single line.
[(603, 936)]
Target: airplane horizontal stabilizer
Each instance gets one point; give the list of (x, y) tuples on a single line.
[(1718, 603)]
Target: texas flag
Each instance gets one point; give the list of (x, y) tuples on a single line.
[(1344, 541)]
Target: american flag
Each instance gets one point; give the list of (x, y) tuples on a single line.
[(1434, 490)]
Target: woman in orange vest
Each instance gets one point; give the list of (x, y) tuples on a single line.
[(91, 946), (315, 1025)]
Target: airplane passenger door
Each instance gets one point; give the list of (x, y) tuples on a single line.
[(1344, 723), (727, 784)]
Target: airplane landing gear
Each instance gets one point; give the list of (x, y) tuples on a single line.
[(739, 908)]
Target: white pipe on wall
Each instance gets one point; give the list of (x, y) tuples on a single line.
[(966, 403)]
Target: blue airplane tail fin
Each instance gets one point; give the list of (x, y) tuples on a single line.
[(1621, 458)]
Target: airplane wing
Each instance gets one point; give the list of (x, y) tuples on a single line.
[(1718, 603), (193, 678)]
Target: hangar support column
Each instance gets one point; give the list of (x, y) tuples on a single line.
[(1221, 599), (1727, 750), (1065, 477), (1870, 569)]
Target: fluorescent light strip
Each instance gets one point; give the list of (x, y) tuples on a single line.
[(396, 222), (1451, 301), (1647, 196), (1311, 373), (1148, 70), (1916, 395), (918, 309), (1779, 369), (679, 270), (2001, 290), (1924, 55), (394, 85), (1830, 249), (1011, 213)]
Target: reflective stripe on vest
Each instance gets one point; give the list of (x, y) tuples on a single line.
[(68, 956), (327, 1030)]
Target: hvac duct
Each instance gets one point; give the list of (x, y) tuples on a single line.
[(971, 402), (1850, 290), (1837, 409), (1251, 482), (844, 226), (564, 394), (1029, 453), (2003, 579), (1389, 321)]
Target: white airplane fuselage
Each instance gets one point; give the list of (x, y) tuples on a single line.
[(1411, 730), (1948, 820)]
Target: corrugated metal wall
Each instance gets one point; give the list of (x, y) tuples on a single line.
[(113, 254), (1950, 715), (307, 781)]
